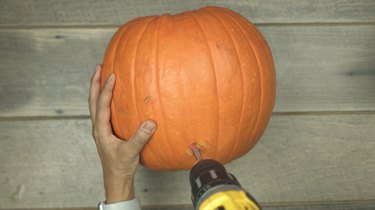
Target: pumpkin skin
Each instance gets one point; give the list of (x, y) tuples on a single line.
[(204, 76)]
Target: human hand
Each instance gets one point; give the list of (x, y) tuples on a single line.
[(119, 158)]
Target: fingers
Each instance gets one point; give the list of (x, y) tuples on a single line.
[(143, 134), (94, 92), (103, 112)]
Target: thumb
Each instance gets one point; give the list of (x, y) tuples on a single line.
[(143, 134)]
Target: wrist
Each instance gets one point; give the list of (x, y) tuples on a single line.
[(118, 188)]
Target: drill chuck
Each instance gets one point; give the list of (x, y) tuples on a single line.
[(208, 174), (214, 188)]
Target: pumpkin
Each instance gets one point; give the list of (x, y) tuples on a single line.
[(204, 76)]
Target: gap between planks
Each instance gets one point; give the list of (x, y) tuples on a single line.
[(115, 26), (274, 114)]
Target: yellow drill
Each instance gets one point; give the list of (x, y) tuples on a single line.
[(213, 188)]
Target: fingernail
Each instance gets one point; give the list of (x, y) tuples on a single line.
[(110, 78), (98, 67), (149, 127)]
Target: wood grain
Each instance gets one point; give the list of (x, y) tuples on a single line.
[(53, 164), (115, 12), (318, 68)]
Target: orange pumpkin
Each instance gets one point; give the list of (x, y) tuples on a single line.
[(205, 76)]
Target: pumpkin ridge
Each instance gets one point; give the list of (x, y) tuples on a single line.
[(242, 81), (133, 82), (158, 89), (259, 71), (132, 76), (216, 85), (182, 93), (113, 116)]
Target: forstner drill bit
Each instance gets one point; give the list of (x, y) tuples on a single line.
[(196, 152)]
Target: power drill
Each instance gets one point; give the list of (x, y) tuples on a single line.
[(213, 188)]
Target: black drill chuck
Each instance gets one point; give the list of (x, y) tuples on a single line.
[(206, 175)]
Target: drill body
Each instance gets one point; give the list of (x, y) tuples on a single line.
[(213, 188)]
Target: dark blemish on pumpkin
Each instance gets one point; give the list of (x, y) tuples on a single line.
[(41, 193), (218, 46), (59, 37), (145, 190), (59, 111), (147, 99)]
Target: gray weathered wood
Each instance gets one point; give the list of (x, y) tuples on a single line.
[(319, 68), (97, 12), (53, 163)]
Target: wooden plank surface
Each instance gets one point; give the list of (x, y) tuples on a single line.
[(318, 68), (53, 163), (97, 12)]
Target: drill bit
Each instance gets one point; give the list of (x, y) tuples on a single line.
[(196, 152)]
